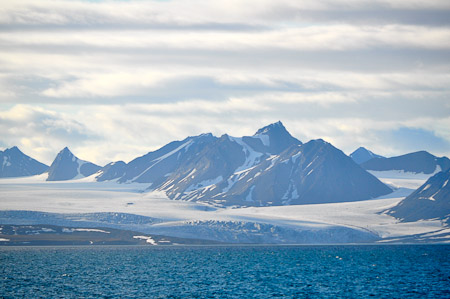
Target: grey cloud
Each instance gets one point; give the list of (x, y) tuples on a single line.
[(42, 130), (194, 13)]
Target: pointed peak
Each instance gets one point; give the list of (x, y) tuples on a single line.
[(278, 126), (362, 154), (13, 149), (66, 153), (360, 150), (65, 150)]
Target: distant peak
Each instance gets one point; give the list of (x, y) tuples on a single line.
[(361, 150), (362, 154), (274, 126), (14, 149), (65, 152)]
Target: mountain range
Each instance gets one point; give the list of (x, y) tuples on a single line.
[(417, 162), (268, 168)]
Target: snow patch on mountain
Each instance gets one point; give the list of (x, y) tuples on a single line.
[(252, 157), (265, 139), (249, 197), (6, 162)]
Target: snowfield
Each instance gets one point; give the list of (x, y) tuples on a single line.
[(349, 222)]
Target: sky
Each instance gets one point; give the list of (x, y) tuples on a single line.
[(113, 80)]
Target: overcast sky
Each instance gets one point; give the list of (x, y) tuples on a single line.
[(113, 80)]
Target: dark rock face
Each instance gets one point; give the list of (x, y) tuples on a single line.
[(66, 166), (431, 200), (14, 163), (362, 155), (315, 172), (418, 162)]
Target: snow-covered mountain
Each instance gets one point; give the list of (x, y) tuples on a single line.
[(430, 201), (67, 166), (362, 155), (269, 168), (14, 163), (315, 172), (417, 162)]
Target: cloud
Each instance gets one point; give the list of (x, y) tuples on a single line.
[(42, 131), (105, 133), (191, 12), (116, 79), (332, 37)]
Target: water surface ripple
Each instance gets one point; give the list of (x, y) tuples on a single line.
[(391, 271)]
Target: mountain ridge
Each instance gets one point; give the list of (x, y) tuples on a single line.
[(417, 162), (271, 167)]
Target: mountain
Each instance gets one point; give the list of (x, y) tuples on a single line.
[(230, 172), (156, 166), (269, 168), (431, 200), (66, 166), (362, 155), (14, 163), (417, 162)]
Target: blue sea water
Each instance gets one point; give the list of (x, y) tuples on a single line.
[(389, 271)]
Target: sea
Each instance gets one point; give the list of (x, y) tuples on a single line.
[(341, 271)]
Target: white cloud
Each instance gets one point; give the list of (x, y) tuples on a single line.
[(115, 79), (329, 37)]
